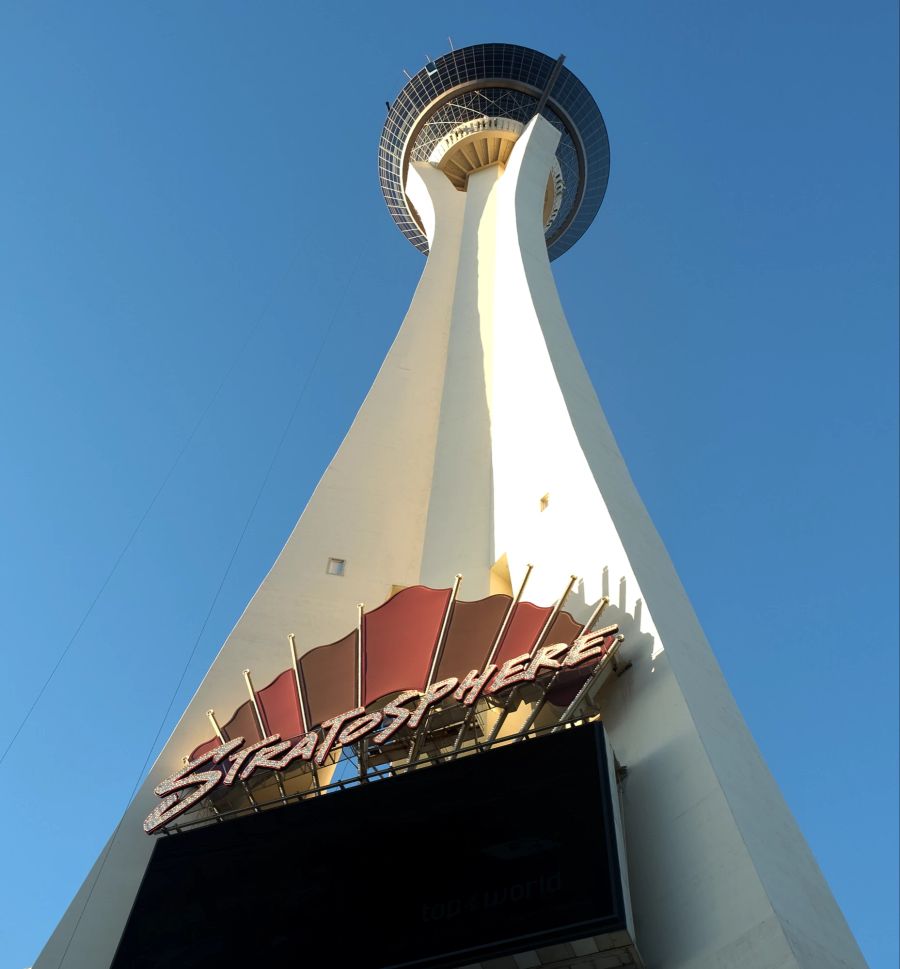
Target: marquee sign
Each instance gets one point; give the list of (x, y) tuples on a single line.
[(185, 788), (536, 863)]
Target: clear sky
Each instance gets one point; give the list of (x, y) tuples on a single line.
[(189, 199)]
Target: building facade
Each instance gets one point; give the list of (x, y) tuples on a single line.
[(482, 451)]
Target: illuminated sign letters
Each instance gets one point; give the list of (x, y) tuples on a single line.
[(406, 710)]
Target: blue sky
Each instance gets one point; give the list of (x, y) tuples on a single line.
[(189, 200)]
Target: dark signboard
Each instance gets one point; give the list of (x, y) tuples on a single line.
[(497, 853)]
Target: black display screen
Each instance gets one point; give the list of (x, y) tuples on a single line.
[(489, 855)]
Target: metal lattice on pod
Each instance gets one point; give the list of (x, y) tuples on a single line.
[(465, 110)]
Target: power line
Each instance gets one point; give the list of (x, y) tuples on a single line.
[(134, 533), (215, 599), (240, 540)]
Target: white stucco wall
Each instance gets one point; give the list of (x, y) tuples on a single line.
[(720, 874)]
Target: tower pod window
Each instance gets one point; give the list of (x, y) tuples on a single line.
[(336, 566)]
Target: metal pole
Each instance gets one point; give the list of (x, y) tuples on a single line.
[(542, 699), (513, 699), (492, 655), (560, 602), (211, 715), (304, 715), (442, 637), (263, 731), (363, 747), (422, 730), (595, 615), (588, 683), (263, 728), (495, 648)]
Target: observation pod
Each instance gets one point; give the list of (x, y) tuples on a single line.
[(464, 111), (441, 596)]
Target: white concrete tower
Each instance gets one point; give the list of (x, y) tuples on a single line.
[(481, 449)]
